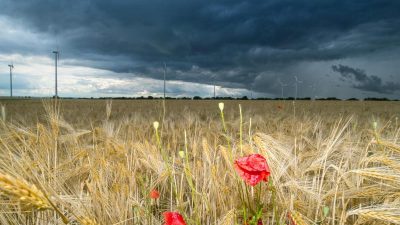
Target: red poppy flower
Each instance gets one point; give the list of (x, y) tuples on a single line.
[(154, 194), (173, 218), (253, 169)]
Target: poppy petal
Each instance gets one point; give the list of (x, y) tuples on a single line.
[(253, 169), (173, 218)]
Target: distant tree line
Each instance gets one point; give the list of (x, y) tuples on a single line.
[(218, 98), (247, 98)]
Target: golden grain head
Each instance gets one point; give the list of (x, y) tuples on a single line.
[(20, 191)]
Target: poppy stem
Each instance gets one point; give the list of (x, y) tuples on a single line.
[(248, 199), (259, 195)]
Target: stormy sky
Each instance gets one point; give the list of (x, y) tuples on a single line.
[(118, 48)]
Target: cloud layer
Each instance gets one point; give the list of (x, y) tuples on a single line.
[(236, 44)]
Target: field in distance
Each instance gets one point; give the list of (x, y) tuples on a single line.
[(97, 161)]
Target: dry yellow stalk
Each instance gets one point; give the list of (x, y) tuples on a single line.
[(87, 221), (228, 218), (389, 214), (296, 218)]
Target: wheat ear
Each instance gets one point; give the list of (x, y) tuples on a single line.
[(27, 195)]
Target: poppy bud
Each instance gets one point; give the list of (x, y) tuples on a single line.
[(221, 106), (154, 194), (155, 124)]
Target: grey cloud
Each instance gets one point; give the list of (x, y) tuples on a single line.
[(362, 81), (349, 72), (233, 43)]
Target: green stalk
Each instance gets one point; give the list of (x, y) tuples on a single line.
[(223, 121), (241, 129), (221, 108)]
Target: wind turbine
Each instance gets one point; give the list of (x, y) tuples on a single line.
[(214, 90), (282, 85), (165, 71), (215, 86), (296, 84), (11, 68), (312, 86), (56, 56)]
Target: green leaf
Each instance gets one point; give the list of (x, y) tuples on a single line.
[(326, 211)]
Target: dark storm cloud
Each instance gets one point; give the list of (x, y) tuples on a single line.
[(362, 81), (230, 42)]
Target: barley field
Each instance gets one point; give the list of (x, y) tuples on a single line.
[(128, 161)]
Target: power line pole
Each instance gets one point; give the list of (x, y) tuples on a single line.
[(56, 54), (11, 68)]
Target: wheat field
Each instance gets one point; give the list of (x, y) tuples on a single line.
[(95, 161)]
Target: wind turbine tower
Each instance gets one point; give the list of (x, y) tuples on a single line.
[(56, 56), (11, 68), (165, 71), (214, 91), (312, 86), (282, 86), (296, 84)]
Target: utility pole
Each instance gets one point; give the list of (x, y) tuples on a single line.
[(11, 68), (56, 54)]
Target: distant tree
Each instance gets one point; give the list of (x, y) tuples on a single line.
[(228, 98), (376, 99), (197, 98), (332, 99)]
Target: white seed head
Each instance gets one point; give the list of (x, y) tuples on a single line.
[(155, 125), (221, 106)]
